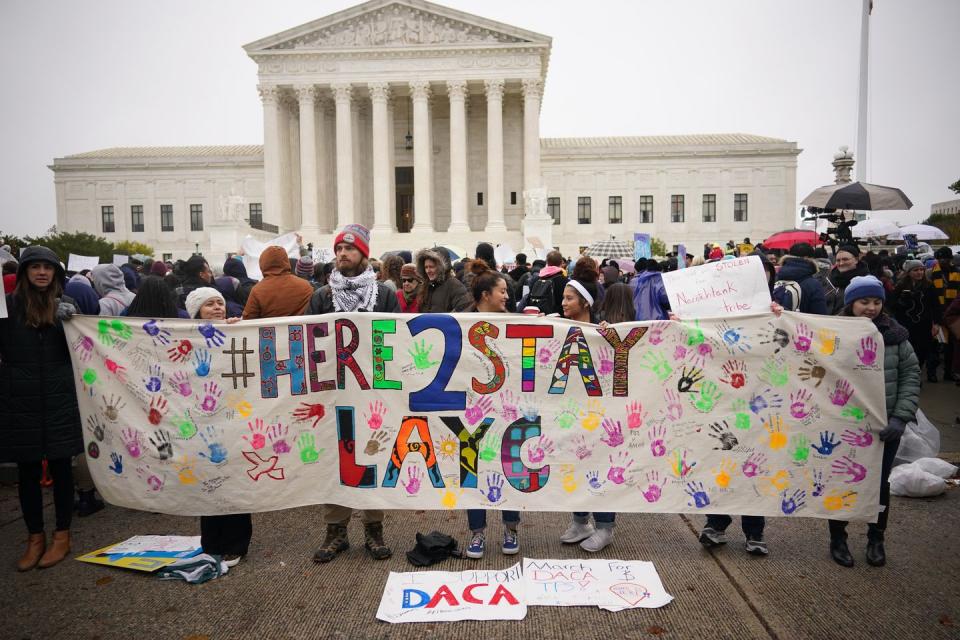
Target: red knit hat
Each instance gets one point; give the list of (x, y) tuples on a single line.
[(357, 235)]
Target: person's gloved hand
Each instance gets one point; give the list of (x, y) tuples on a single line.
[(65, 310), (894, 429)]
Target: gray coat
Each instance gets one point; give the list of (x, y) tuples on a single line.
[(901, 370)]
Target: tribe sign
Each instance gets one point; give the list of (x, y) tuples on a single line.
[(758, 414)]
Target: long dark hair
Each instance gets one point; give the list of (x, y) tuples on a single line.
[(618, 304), (39, 306), (154, 299)]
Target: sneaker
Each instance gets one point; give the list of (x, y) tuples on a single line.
[(232, 560), (756, 547), (576, 532), (511, 542), (710, 537), (598, 541), (476, 546)]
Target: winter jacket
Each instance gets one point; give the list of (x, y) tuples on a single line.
[(280, 293), (322, 301), (227, 286), (114, 295), (947, 285), (38, 400), (446, 294), (236, 269), (558, 280), (836, 284), (408, 307), (803, 271), (901, 369), (916, 307), (650, 296), (81, 291)]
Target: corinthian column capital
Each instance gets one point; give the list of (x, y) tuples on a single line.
[(420, 90), (306, 93), (342, 92), (379, 91), (269, 93), (532, 88), (493, 89), (457, 89)]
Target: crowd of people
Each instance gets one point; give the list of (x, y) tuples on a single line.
[(912, 304)]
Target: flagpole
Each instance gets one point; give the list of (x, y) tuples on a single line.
[(861, 165)]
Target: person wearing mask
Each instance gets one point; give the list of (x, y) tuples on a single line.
[(280, 293), (864, 298), (440, 292), (797, 288), (946, 281), (917, 308), (39, 416), (227, 537), (114, 295), (352, 287), (578, 302), (489, 292), (407, 296)]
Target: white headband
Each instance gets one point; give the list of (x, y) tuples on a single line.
[(583, 291)]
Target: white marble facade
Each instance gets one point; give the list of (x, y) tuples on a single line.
[(340, 97)]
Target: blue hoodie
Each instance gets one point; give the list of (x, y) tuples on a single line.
[(802, 271), (80, 289)]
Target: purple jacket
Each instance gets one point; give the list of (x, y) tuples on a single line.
[(650, 296)]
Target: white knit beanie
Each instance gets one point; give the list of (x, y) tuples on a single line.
[(197, 298)]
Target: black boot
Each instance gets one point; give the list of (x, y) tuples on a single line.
[(335, 542), (88, 503), (373, 541), (876, 557), (840, 552)]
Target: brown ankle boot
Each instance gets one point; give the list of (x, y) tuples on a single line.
[(57, 551), (36, 545)]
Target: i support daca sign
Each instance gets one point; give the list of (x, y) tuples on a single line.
[(752, 415)]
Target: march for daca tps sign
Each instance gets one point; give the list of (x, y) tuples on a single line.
[(750, 414), (719, 289)]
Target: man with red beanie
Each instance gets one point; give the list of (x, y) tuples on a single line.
[(352, 286)]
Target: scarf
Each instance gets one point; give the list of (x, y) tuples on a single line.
[(357, 293)]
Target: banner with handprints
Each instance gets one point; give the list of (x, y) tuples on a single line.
[(760, 415)]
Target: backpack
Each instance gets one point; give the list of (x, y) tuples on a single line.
[(788, 293), (541, 296)]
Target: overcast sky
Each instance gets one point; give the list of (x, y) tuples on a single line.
[(79, 76)]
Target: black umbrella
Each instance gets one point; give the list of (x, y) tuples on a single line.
[(858, 195)]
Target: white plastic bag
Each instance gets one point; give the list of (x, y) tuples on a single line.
[(936, 466), (921, 439), (913, 482)]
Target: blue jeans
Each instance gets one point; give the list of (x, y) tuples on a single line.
[(477, 519), (603, 519)]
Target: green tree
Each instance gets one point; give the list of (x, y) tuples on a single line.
[(16, 242), (83, 244), (658, 247), (955, 187), (129, 248)]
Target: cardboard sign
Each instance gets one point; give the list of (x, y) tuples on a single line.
[(610, 584), (719, 289), (447, 596), (79, 263)]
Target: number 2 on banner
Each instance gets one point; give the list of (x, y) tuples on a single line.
[(435, 396)]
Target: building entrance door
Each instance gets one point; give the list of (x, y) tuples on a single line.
[(405, 212)]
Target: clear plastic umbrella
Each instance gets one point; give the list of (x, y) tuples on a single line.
[(922, 231)]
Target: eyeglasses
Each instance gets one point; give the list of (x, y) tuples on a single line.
[(406, 280)]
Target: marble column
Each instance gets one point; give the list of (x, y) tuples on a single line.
[(324, 202), (379, 96), (309, 207), (532, 91), (342, 94), (457, 90), (270, 96), (494, 90), (422, 158)]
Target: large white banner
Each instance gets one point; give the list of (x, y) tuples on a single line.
[(751, 415)]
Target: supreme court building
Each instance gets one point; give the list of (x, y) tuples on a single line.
[(422, 123)]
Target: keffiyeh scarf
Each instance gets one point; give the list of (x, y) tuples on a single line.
[(354, 293)]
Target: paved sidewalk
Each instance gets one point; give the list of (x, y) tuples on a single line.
[(278, 592)]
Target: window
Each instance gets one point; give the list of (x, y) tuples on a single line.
[(166, 217), (196, 217), (615, 207), (676, 208), (136, 217), (709, 207), (479, 198), (256, 214), (739, 207), (106, 216), (167, 257), (553, 208), (583, 210), (646, 209), (513, 197)]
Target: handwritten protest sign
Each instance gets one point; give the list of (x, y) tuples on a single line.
[(757, 414), (79, 263), (641, 245), (719, 289), (610, 584), (447, 596)]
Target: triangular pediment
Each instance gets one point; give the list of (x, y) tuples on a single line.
[(395, 23)]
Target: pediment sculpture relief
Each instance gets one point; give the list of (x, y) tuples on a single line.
[(394, 26)]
